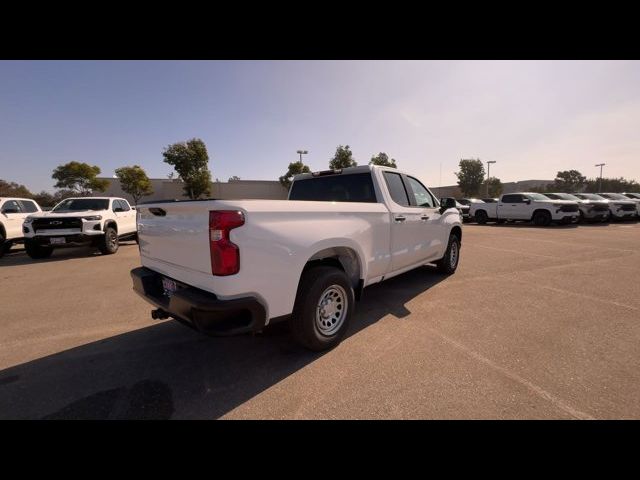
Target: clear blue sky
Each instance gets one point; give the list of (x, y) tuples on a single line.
[(533, 117)]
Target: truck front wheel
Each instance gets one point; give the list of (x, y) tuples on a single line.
[(449, 263), (481, 217), (542, 218), (323, 308), (109, 241), (36, 251)]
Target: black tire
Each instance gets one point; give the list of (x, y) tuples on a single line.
[(137, 240), (37, 252), (2, 245), (449, 263), (109, 242), (581, 218), (316, 284), (542, 218), (481, 217)]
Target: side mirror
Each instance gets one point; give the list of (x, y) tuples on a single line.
[(118, 209), (527, 201), (447, 203), (9, 210), (133, 208)]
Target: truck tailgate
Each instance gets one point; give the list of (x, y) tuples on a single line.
[(176, 233)]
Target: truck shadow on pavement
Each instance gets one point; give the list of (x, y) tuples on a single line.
[(170, 371)]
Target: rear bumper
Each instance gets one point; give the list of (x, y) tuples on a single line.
[(202, 310)]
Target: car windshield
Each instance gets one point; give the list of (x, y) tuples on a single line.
[(590, 196), (81, 204), (633, 195), (614, 196), (537, 196), (565, 196)]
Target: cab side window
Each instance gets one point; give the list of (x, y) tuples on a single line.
[(421, 194), (125, 205), (396, 188), (11, 205)]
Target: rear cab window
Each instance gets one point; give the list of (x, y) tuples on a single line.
[(354, 187)]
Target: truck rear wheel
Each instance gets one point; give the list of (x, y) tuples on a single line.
[(481, 217), (36, 251), (109, 242), (3, 247), (323, 308), (449, 263)]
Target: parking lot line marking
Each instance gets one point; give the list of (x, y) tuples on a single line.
[(541, 392), (588, 297), (517, 252)]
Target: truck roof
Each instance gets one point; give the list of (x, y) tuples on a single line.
[(345, 171)]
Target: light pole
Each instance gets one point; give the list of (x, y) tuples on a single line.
[(600, 165), (489, 174), (301, 152)]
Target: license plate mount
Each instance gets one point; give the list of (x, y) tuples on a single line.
[(57, 240)]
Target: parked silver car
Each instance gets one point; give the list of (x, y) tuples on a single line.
[(593, 210), (617, 197), (618, 209)]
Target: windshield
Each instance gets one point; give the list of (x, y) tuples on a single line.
[(537, 196), (564, 196), (81, 204), (633, 195), (589, 196), (615, 196)]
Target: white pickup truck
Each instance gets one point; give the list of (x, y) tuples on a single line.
[(13, 211), (528, 207), (97, 221), (232, 266)]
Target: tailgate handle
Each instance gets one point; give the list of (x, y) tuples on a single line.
[(158, 212)]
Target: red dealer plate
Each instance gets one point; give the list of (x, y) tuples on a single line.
[(169, 286)]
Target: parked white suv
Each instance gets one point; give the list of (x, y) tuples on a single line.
[(96, 221), (231, 266), (13, 211)]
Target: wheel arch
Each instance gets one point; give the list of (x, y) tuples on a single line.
[(538, 210), (341, 257), (110, 223)]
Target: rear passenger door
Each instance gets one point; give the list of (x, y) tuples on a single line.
[(511, 207)]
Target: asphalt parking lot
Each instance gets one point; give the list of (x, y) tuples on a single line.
[(536, 323)]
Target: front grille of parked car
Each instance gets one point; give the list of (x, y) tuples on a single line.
[(56, 223), (600, 208), (569, 208), (627, 208)]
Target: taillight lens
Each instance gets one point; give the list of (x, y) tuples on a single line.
[(225, 255)]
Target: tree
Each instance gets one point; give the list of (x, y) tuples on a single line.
[(190, 160), (45, 199), (295, 168), (235, 178), (615, 185), (343, 158), (382, 159), (13, 189), (569, 181), (495, 187), (79, 178), (470, 176), (134, 181)]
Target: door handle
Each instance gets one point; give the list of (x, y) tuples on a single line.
[(400, 218), (424, 217)]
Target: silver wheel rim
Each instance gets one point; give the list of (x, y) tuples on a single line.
[(453, 257), (331, 310)]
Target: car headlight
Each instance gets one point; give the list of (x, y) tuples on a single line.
[(93, 218)]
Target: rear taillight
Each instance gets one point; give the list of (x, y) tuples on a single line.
[(225, 255)]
